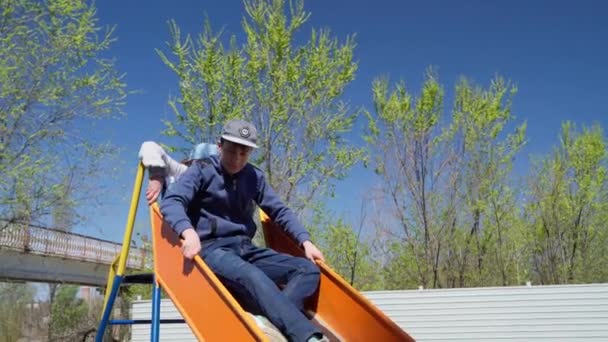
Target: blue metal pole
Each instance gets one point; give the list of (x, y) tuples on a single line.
[(154, 337), (108, 309)]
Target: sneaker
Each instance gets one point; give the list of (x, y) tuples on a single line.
[(273, 333), (318, 338)]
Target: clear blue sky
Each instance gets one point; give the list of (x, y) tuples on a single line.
[(556, 52)]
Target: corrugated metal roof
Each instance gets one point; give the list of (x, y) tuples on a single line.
[(526, 313)]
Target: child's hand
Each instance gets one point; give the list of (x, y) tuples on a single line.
[(191, 244), (153, 190)]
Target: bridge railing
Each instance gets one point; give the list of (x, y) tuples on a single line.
[(57, 243)]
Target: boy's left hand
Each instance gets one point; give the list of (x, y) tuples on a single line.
[(312, 252)]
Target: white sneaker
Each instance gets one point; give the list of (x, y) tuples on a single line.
[(316, 338), (273, 333)]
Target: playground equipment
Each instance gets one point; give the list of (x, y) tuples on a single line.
[(211, 311)]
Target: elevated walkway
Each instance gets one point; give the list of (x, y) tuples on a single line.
[(34, 253)]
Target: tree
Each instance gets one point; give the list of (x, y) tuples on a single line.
[(402, 142), (484, 156), (14, 301), (349, 251), (63, 216), (567, 206), (69, 315), (348, 255), (446, 188), (290, 92), (52, 79)]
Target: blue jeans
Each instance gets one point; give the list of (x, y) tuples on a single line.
[(251, 274)]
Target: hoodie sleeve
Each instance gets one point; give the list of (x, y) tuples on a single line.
[(154, 157), (268, 201), (175, 205), (174, 168)]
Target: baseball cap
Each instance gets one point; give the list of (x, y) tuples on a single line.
[(240, 132)]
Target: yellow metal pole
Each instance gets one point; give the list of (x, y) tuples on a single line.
[(126, 242), (119, 264), (110, 284)]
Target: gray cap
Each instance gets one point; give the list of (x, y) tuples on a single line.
[(240, 132)]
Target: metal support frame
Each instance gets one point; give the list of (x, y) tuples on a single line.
[(117, 275)]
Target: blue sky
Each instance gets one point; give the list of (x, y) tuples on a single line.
[(554, 51)]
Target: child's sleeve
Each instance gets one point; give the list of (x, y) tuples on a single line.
[(158, 162)]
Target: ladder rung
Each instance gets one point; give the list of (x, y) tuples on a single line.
[(144, 321), (143, 278)]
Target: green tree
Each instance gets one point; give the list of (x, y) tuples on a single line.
[(402, 141), (52, 79), (14, 301), (567, 206), (349, 254), (484, 155), (69, 314), (446, 186), (63, 216), (291, 92)]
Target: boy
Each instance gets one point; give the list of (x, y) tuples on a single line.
[(211, 207)]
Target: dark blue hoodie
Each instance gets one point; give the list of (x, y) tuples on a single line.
[(217, 204)]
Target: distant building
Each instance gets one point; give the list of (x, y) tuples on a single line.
[(89, 294)]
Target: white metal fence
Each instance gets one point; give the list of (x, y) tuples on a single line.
[(496, 314)]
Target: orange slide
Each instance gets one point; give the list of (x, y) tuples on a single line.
[(214, 315)]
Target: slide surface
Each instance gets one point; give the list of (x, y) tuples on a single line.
[(208, 308), (214, 315), (338, 306)]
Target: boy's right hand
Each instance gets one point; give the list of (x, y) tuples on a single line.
[(191, 245)]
